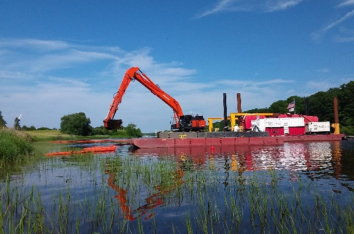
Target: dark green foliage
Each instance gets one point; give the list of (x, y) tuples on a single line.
[(76, 124), (103, 131), (278, 106), (43, 128), (259, 110), (321, 105), (132, 131), (25, 128), (17, 125), (13, 145), (221, 125), (346, 105), (2, 121)]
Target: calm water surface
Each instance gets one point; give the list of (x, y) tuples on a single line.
[(297, 187)]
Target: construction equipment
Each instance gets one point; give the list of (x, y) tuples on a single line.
[(181, 122)]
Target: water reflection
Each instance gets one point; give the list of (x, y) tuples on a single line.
[(313, 156), (228, 189)]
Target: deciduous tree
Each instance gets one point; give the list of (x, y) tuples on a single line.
[(133, 131), (76, 124), (17, 125), (2, 121)]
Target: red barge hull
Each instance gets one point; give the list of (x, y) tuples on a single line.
[(149, 143)]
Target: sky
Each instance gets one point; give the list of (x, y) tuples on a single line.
[(63, 57)]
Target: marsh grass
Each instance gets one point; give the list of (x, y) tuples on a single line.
[(13, 145), (126, 194)]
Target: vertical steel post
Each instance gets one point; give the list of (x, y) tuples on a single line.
[(307, 106), (336, 119), (225, 110), (239, 109)]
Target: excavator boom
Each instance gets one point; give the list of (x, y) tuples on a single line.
[(135, 73)]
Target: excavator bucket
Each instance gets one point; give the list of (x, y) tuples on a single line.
[(113, 124)]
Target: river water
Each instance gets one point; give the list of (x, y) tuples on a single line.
[(294, 188)]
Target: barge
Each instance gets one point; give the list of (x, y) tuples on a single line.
[(250, 129), (224, 139)]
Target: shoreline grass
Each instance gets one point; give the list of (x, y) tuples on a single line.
[(13, 145), (141, 189), (54, 135)]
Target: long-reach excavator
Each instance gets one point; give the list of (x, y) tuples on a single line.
[(182, 122)]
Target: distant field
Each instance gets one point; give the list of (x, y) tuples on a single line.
[(52, 135), (48, 135)]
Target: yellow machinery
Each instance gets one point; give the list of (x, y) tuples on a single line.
[(210, 122), (233, 117)]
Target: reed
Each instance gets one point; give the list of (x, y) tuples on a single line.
[(13, 144), (128, 194)]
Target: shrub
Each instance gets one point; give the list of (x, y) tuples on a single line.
[(347, 130), (14, 144)]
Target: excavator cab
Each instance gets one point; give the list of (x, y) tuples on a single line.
[(189, 123)]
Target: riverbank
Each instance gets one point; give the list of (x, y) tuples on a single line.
[(56, 135)]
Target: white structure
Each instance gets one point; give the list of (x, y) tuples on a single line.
[(317, 127)]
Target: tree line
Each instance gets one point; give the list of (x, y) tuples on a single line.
[(321, 105), (79, 124)]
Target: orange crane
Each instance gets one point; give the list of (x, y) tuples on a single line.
[(182, 122)]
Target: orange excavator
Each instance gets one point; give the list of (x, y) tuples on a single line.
[(181, 122)]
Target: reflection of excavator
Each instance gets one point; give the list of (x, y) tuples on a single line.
[(152, 202), (182, 122)]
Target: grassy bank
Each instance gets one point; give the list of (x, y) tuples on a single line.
[(54, 135), (14, 144)]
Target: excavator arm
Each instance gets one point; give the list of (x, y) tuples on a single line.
[(135, 73)]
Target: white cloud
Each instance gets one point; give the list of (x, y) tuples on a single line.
[(220, 6), (249, 5), (317, 36), (342, 19), (279, 5), (34, 44), (346, 3)]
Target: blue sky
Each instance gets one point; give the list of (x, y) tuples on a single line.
[(64, 57)]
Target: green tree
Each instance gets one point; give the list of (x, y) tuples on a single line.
[(26, 128), (76, 124), (258, 110), (346, 108), (132, 131), (278, 106), (2, 121), (321, 105), (17, 125)]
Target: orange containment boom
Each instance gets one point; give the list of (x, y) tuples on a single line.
[(98, 149)]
